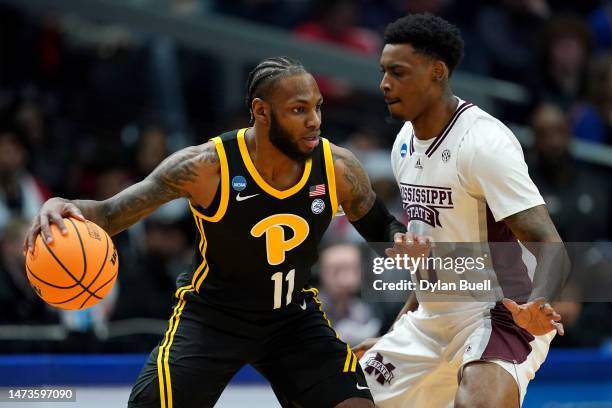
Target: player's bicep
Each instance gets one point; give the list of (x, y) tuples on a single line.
[(533, 225), (353, 186), (175, 177)]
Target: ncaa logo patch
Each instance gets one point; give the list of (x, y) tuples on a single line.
[(317, 206), (404, 150), (239, 183)]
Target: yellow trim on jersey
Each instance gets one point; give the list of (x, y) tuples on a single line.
[(331, 175), (223, 184), (350, 356), (163, 357), (354, 365), (202, 270), (281, 194)]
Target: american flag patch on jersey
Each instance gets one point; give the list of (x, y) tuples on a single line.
[(317, 190)]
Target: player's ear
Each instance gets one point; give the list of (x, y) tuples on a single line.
[(259, 110), (439, 71)]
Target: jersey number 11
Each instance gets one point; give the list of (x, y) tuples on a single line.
[(278, 287)]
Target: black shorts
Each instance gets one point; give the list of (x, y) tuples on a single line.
[(294, 349)]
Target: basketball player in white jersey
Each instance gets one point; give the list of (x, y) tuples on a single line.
[(462, 178)]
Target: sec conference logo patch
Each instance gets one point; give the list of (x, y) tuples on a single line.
[(317, 206), (446, 155), (239, 183)]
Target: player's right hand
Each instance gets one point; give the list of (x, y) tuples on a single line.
[(52, 212), (364, 346)]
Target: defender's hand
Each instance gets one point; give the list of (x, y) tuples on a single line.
[(413, 245), (52, 212), (537, 316)]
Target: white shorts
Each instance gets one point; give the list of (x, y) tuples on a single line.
[(418, 364)]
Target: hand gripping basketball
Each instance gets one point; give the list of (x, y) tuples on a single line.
[(71, 263), (52, 212), (75, 270)]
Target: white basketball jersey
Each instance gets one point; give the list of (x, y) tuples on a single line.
[(460, 185)]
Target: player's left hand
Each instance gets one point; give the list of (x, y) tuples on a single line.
[(413, 245), (537, 316)]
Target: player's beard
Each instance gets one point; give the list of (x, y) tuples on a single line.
[(281, 139)]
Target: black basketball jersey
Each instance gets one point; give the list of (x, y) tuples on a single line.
[(257, 244)]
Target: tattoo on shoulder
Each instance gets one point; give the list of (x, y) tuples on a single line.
[(170, 180), (357, 185), (182, 168)]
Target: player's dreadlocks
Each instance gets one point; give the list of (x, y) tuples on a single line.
[(267, 72)]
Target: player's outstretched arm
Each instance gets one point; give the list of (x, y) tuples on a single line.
[(533, 225), (534, 228), (364, 210), (186, 173)]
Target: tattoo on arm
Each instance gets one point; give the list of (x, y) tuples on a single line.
[(534, 228), (175, 177), (533, 225), (354, 190)]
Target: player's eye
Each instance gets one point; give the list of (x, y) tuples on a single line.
[(298, 110)]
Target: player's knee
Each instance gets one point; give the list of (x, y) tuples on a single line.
[(474, 399), (463, 402), (356, 403), (485, 385)]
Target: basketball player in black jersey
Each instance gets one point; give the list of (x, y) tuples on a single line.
[(261, 200)]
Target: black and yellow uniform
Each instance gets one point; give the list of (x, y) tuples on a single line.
[(247, 300)]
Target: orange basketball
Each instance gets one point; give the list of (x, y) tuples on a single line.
[(75, 270)]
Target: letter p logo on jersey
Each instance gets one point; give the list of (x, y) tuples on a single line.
[(276, 244)]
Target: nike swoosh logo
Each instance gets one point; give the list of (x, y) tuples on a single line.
[(303, 305), (359, 387), (242, 198)]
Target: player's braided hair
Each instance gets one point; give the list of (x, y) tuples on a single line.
[(267, 72), (429, 35)]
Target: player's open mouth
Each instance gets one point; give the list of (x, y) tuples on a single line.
[(312, 141)]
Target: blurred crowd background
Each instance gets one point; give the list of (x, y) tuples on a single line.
[(89, 106)]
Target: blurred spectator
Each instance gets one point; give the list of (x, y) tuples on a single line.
[(366, 143), (600, 21), (149, 273), (565, 50), (376, 14), (578, 199), (340, 277), (151, 149), (21, 195), (19, 303), (275, 12), (508, 29), (335, 22), (48, 140), (593, 119), (89, 324)]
